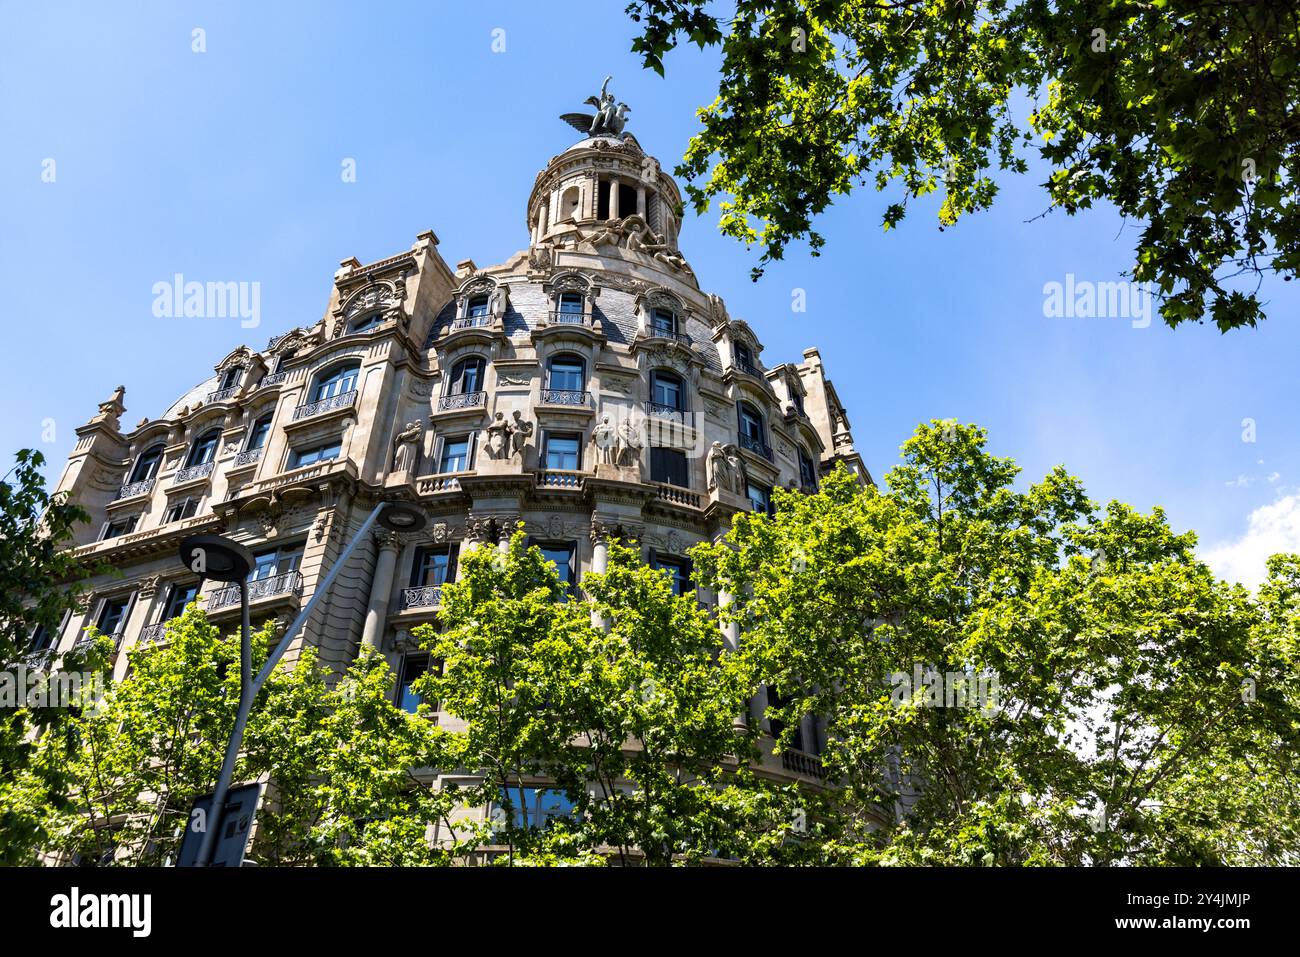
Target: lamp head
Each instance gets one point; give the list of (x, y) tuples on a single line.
[(216, 558), (402, 517)]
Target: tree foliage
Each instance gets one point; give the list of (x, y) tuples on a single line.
[(1145, 712), (1181, 114)]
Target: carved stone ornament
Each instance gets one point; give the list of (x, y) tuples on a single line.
[(440, 532), (406, 447), (555, 526)]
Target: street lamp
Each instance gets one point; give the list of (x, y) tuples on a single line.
[(213, 556)]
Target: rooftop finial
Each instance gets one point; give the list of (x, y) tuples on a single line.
[(609, 118)]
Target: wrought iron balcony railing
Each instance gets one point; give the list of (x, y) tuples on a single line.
[(469, 322), (658, 332), (38, 660), (275, 378), (289, 583), (247, 457), (566, 397), (559, 478), (343, 400), (570, 318), (755, 444), (670, 413), (463, 400), (748, 368), (221, 395), (84, 641), (132, 489), (194, 472), (154, 634), (426, 596)]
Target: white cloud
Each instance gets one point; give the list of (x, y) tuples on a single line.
[(1270, 529)]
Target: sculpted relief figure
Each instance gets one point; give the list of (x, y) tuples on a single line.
[(630, 443), (520, 431), (726, 470), (496, 438), (406, 447), (605, 437)]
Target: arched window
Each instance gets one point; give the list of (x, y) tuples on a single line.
[(667, 390), (567, 373), (341, 380), (146, 466), (663, 322), (204, 449), (466, 376), (258, 433), (477, 308), (229, 378), (570, 304), (752, 434), (367, 322)]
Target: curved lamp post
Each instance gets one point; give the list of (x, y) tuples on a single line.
[(221, 559)]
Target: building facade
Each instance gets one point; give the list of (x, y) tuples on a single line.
[(587, 387)]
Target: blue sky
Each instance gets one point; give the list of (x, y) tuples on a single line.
[(226, 166)]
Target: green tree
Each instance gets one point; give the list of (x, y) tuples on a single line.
[(636, 720), (39, 581), (1181, 114), (1129, 680)]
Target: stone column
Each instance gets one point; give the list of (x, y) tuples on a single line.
[(808, 729), (613, 198), (731, 635), (599, 562), (381, 586)]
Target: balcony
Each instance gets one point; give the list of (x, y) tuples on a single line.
[(469, 322), (427, 596), (566, 397), (132, 489), (248, 457), (287, 584), (155, 634), (563, 479), (463, 400), (222, 395), (755, 444), (740, 365), (194, 473), (84, 643), (658, 332), (808, 765), (38, 660), (567, 318), (670, 414), (446, 482), (678, 496), (344, 400), (275, 378)]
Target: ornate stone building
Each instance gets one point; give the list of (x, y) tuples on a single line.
[(587, 387)]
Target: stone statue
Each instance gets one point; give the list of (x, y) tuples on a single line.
[(719, 469), (736, 468), (605, 437), (629, 444), (609, 118), (406, 447), (497, 438), (497, 302), (519, 433)]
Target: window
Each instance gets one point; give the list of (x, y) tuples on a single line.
[(751, 423), (760, 498), (744, 358), (258, 433), (666, 390), (204, 449), (319, 453), (561, 556), (540, 806), (602, 199), (339, 382), (276, 561), (112, 615), (120, 526), (663, 321), (466, 376), (42, 638), (178, 596), (562, 451), (626, 199), (477, 308), (181, 508), (368, 322), (434, 565), (229, 378), (567, 373), (146, 466), (807, 472), (670, 467), (456, 454), (678, 571), (571, 303), (413, 667)]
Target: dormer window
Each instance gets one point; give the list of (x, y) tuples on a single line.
[(229, 378), (368, 322), (664, 322), (477, 308), (571, 304)]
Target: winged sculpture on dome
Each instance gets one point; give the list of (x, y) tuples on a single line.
[(609, 118)]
